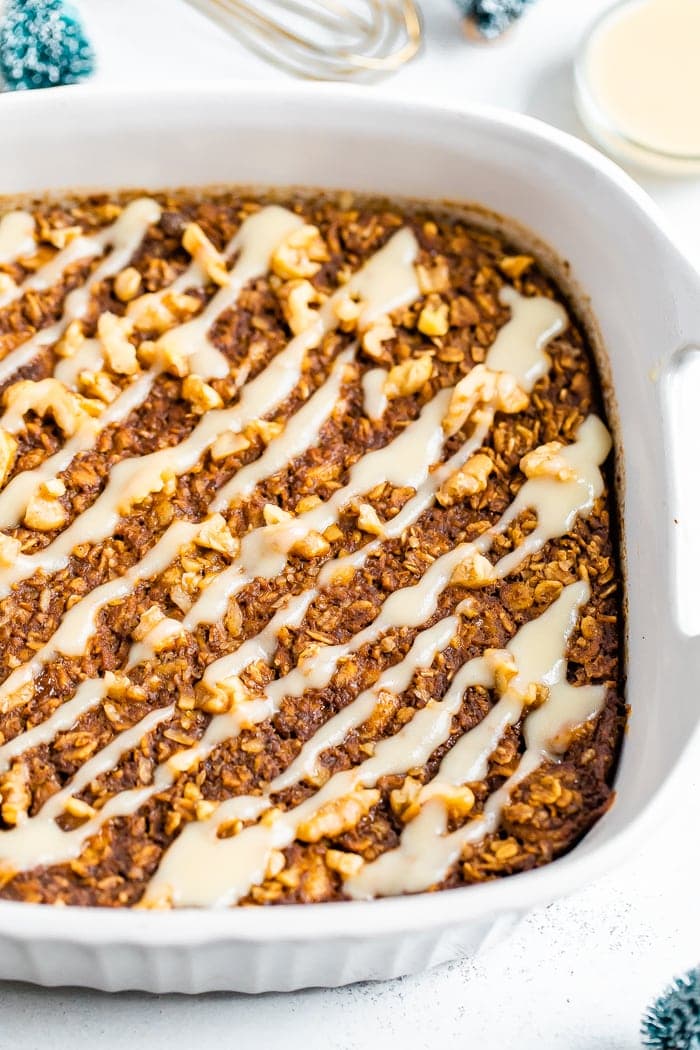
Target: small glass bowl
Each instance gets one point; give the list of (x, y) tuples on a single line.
[(603, 127)]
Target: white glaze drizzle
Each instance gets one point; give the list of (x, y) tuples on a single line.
[(255, 241), (375, 399), (39, 839), (386, 283), (78, 624), (396, 679), (426, 852), (386, 279), (123, 237), (20, 489), (16, 236), (594, 445), (88, 358), (519, 347), (200, 869), (558, 503), (408, 607), (257, 238), (301, 432), (406, 460)]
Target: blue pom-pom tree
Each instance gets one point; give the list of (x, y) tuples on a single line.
[(673, 1022), (42, 44)]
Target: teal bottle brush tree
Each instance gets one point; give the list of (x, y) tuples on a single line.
[(673, 1022), (42, 44)]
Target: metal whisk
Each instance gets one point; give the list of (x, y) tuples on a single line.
[(324, 39)]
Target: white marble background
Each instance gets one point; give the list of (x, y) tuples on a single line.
[(573, 976)]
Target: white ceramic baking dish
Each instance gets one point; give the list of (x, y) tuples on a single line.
[(646, 299)]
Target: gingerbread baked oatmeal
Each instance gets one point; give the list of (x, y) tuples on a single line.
[(308, 577)]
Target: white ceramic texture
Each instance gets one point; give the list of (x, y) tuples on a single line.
[(645, 297)]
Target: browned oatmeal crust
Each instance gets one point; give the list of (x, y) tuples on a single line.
[(462, 270)]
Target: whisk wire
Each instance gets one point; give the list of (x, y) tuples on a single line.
[(324, 39)]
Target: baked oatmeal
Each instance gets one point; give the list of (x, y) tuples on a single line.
[(308, 570)]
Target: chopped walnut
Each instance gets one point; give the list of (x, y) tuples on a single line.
[(127, 284), (221, 697), (144, 484), (71, 340), (347, 309), (409, 377), (215, 535), (8, 453), (401, 798), (227, 444), (313, 545), (99, 385), (274, 515), (338, 815), (463, 312), (457, 799), (201, 395), (149, 619), (467, 481), (158, 900), (14, 794), (435, 278), (120, 687), (76, 807), (44, 511), (205, 808), (368, 520), (307, 503), (515, 266), (181, 305), (275, 863), (60, 238), (196, 242), (546, 790), (172, 359), (346, 864), (156, 629), (120, 353), (266, 429), (298, 299), (483, 386), (233, 620), (473, 571), (18, 698), (434, 319), (545, 461), (184, 761), (300, 254), (50, 397), (534, 695), (150, 314), (373, 337), (10, 549), (468, 608), (503, 665)]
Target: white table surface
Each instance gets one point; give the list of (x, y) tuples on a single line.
[(574, 976)]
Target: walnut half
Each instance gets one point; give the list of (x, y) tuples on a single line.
[(467, 481), (338, 815)]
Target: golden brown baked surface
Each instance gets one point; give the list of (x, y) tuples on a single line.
[(425, 346)]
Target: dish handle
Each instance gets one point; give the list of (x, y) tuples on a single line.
[(680, 409)]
